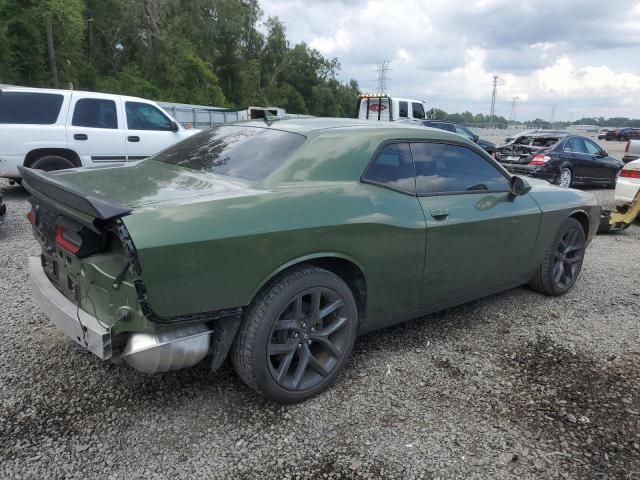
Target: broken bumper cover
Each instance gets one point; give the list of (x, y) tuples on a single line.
[(552, 175), (82, 328)]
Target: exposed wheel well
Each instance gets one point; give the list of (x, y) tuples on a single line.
[(583, 218), (70, 155)]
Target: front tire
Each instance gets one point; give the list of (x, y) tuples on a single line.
[(562, 262), (296, 335)]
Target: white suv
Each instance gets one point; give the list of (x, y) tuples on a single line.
[(58, 129)]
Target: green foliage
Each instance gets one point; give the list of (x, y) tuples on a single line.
[(208, 52)]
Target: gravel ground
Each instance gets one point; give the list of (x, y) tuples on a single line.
[(517, 385)]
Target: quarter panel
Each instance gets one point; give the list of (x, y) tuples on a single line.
[(211, 255)]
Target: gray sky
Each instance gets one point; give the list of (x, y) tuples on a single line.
[(581, 55)]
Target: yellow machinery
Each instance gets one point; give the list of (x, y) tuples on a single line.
[(620, 220)]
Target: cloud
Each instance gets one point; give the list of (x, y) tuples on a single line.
[(580, 55)]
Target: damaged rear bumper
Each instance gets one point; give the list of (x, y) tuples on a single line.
[(81, 327)]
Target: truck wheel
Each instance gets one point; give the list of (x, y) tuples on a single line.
[(296, 335), (51, 163), (562, 262)]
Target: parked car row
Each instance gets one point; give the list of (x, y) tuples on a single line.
[(621, 134)]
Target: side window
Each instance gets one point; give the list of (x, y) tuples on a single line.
[(443, 168), (464, 132), (404, 109), (30, 108), (392, 167), (142, 116), (577, 145), (592, 148), (95, 113), (418, 110)]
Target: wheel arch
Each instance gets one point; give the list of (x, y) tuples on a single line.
[(344, 266), (67, 153), (583, 218)]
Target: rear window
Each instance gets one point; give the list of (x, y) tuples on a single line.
[(244, 152), (30, 107)]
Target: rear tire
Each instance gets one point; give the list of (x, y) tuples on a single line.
[(51, 163), (562, 262), (566, 177), (296, 335)]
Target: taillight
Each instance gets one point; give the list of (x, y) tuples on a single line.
[(630, 173), (539, 159), (31, 216), (68, 240)]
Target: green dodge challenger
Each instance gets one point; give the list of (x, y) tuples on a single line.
[(278, 243)]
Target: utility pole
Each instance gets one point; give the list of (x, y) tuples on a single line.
[(383, 79), (493, 99), (52, 53), (553, 114), (512, 115)]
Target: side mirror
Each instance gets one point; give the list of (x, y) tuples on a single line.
[(475, 138), (519, 186), (174, 127)]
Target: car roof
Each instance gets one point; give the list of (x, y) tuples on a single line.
[(11, 88), (316, 125)]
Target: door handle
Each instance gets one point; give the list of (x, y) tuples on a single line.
[(439, 213), (80, 136), (133, 139)]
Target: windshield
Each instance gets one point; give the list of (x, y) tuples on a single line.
[(251, 153)]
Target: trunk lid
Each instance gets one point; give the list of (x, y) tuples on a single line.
[(142, 185)]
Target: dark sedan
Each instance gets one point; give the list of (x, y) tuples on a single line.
[(565, 160), (460, 130)]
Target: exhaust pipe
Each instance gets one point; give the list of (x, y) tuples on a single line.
[(173, 350)]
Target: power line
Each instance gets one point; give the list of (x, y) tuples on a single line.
[(493, 98), (383, 78)]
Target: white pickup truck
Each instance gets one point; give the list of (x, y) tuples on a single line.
[(58, 129), (386, 108)]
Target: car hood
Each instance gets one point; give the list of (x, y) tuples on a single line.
[(149, 183), (485, 143)]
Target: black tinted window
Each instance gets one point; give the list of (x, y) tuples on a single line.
[(142, 116), (576, 145), (393, 167), (442, 168), (404, 109), (418, 110), (95, 113), (243, 152), (30, 108)]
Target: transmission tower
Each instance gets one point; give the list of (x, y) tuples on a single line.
[(553, 114), (383, 78), (493, 99), (512, 114)]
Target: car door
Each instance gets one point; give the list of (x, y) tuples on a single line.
[(95, 129), (149, 130), (479, 236), (602, 167), (581, 162)]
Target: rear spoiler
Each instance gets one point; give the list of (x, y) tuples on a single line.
[(57, 188)]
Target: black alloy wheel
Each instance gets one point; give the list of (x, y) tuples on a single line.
[(568, 258), (308, 338), (296, 335), (562, 263)]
